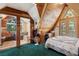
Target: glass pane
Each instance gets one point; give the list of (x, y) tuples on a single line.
[(25, 30), (71, 31), (63, 27), (8, 32), (72, 28), (11, 24), (69, 13)]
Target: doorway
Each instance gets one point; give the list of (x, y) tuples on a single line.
[(7, 31), (25, 30)]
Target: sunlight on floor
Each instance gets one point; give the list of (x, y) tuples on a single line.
[(10, 44)]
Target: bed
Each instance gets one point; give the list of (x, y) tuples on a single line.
[(63, 44)]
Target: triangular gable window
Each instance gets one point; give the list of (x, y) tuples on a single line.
[(69, 13)]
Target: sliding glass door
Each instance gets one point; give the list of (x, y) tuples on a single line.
[(7, 31), (25, 30)]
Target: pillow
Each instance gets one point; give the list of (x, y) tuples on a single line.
[(50, 35), (53, 38)]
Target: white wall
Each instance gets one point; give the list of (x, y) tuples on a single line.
[(2, 5), (35, 15)]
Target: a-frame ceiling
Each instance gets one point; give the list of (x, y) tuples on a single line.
[(74, 6), (35, 10)]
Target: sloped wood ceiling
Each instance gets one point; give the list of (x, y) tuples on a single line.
[(74, 6), (52, 12), (40, 7)]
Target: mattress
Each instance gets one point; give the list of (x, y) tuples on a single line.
[(68, 49)]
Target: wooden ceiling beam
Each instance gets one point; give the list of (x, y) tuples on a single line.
[(42, 14), (15, 12), (40, 7), (44, 9)]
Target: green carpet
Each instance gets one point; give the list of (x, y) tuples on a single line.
[(30, 50)]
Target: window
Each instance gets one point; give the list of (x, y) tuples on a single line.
[(11, 24), (63, 27), (69, 13), (67, 24), (72, 27)]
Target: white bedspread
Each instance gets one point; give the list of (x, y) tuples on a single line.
[(63, 44)]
